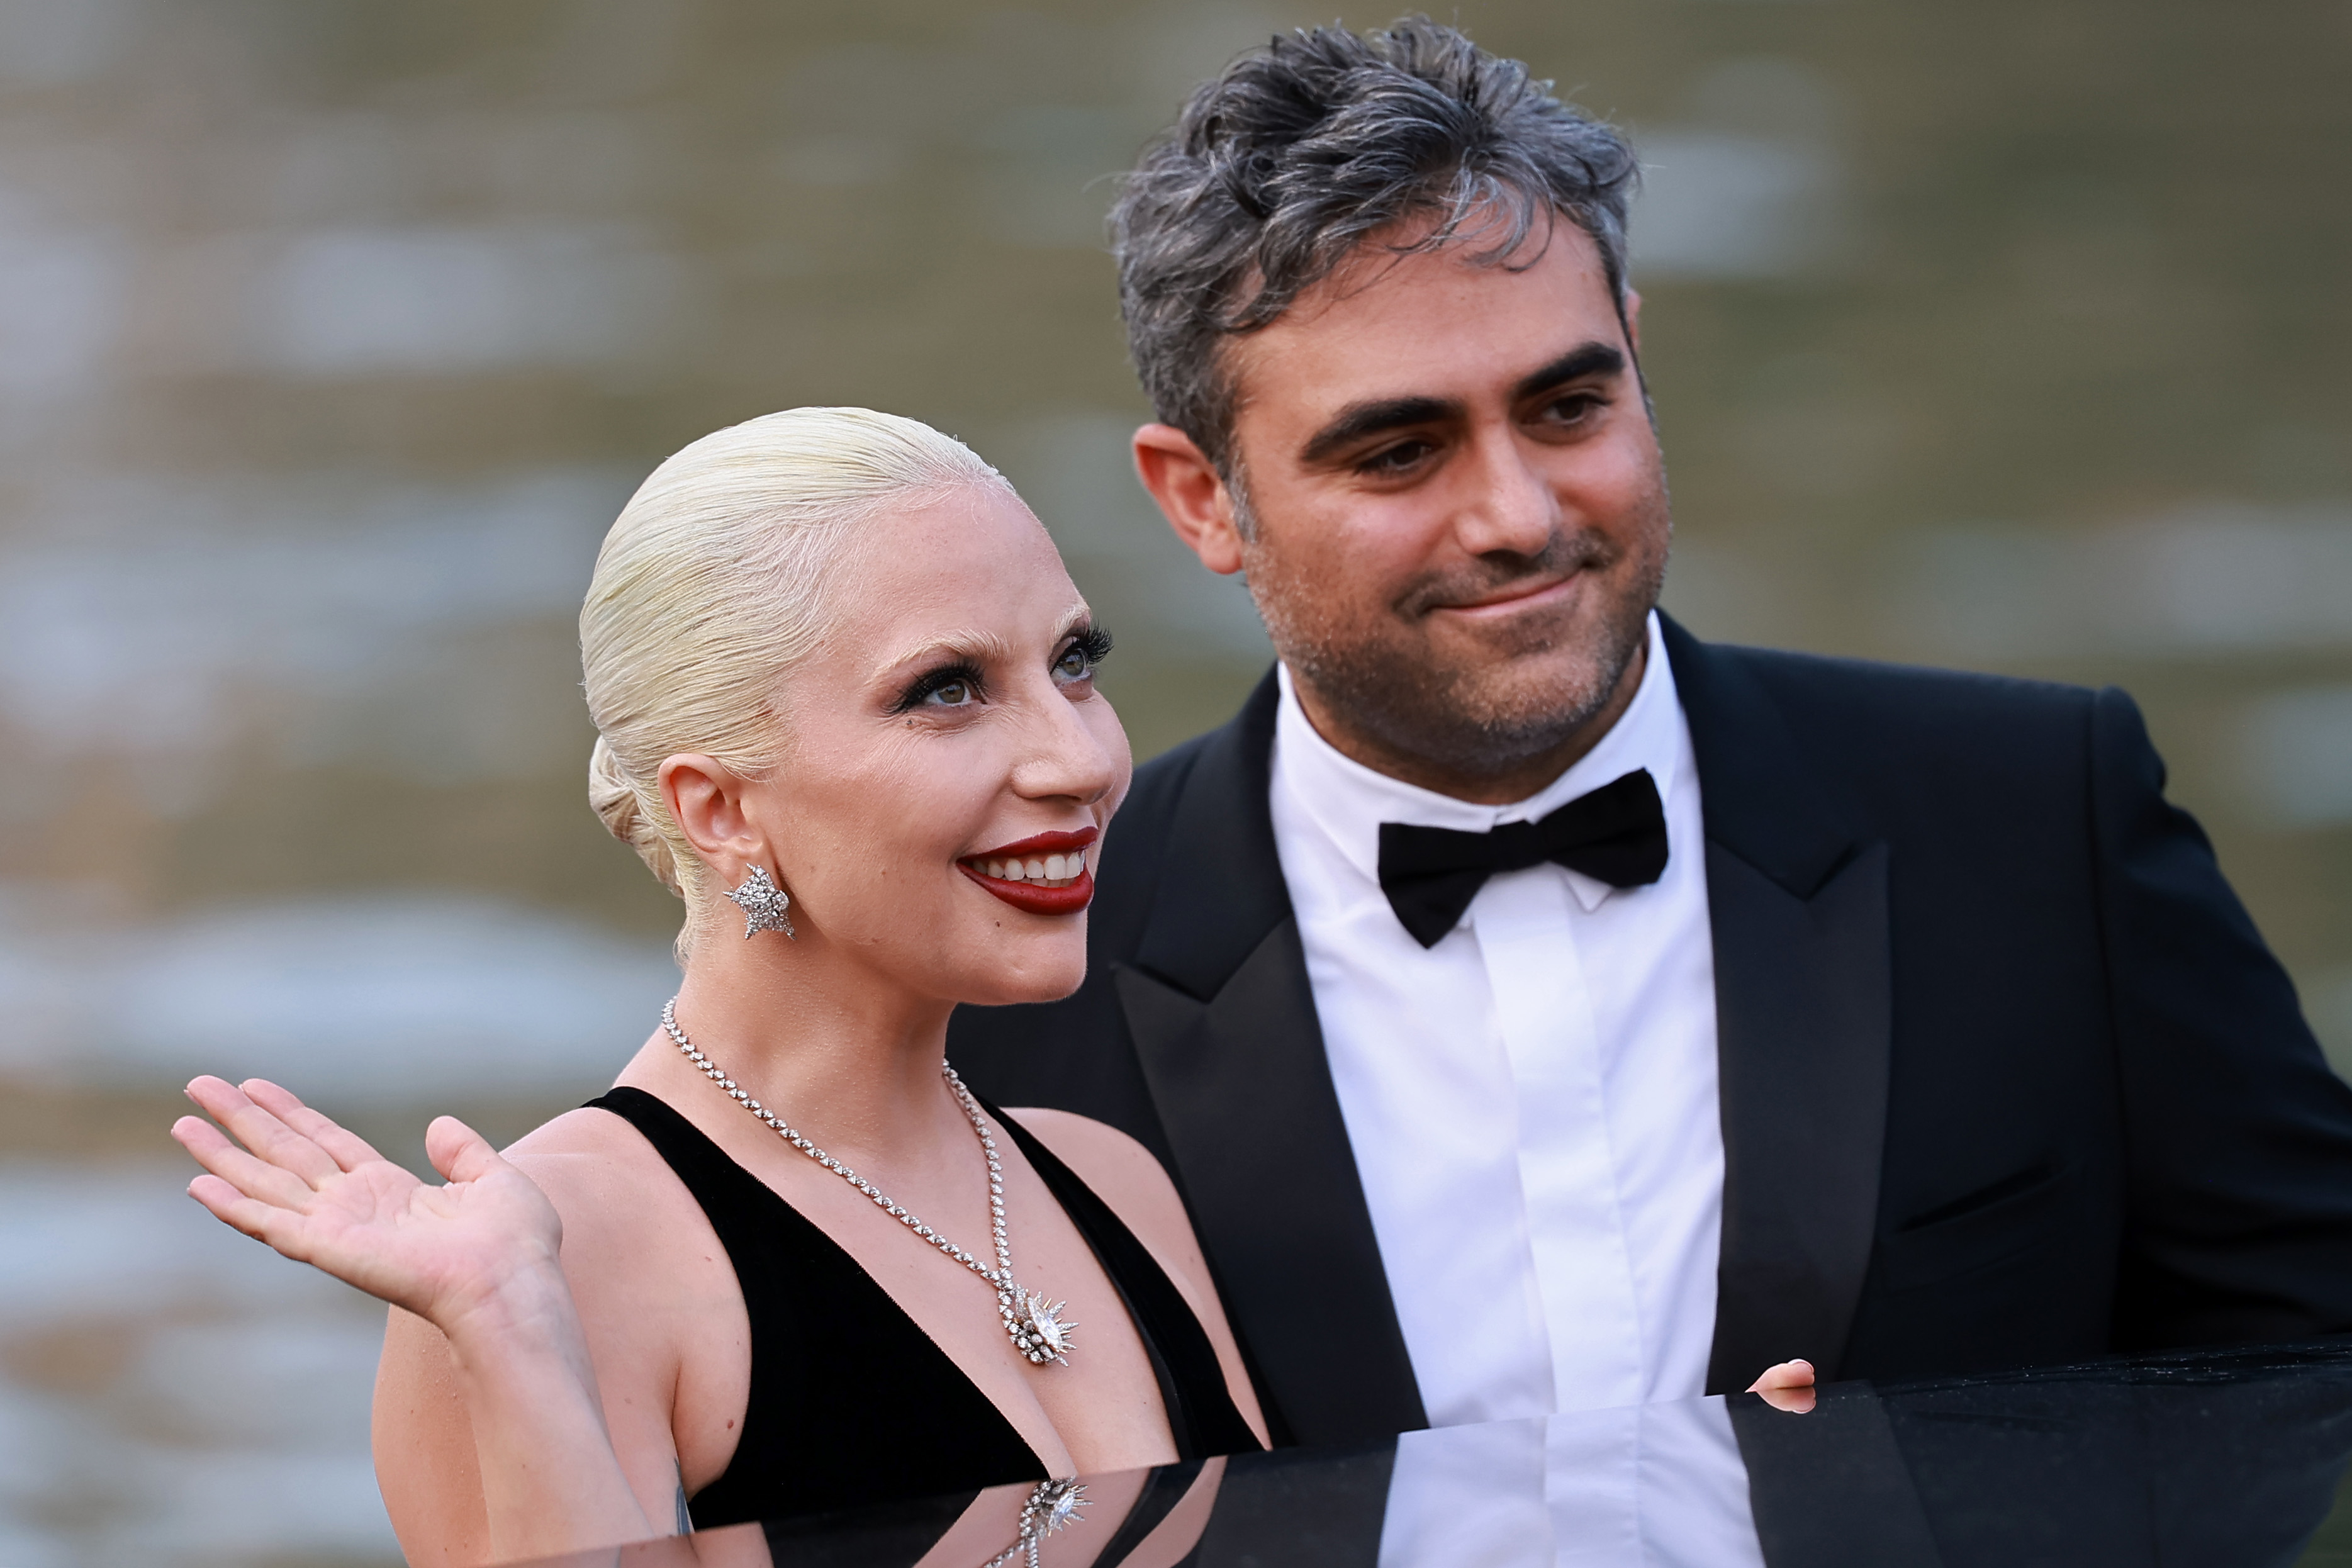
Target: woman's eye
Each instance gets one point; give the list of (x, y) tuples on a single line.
[(951, 694), (1088, 648)]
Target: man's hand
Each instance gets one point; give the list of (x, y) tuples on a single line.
[(1788, 1386)]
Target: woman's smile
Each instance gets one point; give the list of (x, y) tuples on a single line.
[(1044, 874)]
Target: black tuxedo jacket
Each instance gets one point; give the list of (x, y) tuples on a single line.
[(2006, 1075)]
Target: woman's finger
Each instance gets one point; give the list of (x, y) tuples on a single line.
[(265, 1223), (346, 1148), (260, 1131), (249, 1175), (458, 1151)]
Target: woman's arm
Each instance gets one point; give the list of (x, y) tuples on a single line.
[(424, 1447), (476, 1258)]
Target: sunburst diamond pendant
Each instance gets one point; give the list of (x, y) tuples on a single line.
[(1038, 1329), (1052, 1505), (1058, 1505)]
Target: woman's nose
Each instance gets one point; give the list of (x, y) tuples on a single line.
[(1067, 757)]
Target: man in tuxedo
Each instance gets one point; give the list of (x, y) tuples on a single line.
[(1540, 1008)]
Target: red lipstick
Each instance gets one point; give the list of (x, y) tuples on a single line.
[(1034, 897)]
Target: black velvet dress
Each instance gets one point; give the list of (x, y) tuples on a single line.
[(851, 1403)]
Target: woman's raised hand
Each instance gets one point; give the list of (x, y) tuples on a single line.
[(317, 1194), (477, 1258)]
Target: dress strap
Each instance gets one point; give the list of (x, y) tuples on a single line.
[(1201, 1411), (850, 1402)]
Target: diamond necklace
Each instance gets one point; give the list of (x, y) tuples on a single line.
[(1038, 1330)]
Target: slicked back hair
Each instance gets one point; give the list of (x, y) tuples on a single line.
[(1277, 171)]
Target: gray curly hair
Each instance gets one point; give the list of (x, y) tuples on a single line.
[(1279, 169)]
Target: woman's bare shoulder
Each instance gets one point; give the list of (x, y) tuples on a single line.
[(600, 1172), (1121, 1171)]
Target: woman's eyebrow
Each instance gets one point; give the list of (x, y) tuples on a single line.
[(976, 648)]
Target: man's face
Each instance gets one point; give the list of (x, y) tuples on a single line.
[(1460, 519)]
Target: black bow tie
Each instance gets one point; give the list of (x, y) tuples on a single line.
[(1617, 833)]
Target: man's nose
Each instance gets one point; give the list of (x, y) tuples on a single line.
[(1508, 507)]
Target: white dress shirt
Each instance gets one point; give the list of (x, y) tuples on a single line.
[(1532, 1101), (1644, 1486)]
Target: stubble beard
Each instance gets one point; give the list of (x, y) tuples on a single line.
[(1488, 709)]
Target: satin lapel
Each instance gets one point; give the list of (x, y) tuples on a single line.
[(1801, 1019), (1224, 1021), (1797, 894)]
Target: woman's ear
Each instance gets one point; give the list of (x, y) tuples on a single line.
[(1192, 494), (706, 800)]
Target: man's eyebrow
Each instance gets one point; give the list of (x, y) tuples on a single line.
[(1585, 359), (1357, 420)]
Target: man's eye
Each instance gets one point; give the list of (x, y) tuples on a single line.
[(1573, 408), (1396, 460)]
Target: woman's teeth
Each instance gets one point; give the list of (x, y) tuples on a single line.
[(1045, 870)]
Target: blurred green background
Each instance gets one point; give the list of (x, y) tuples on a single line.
[(2014, 336)]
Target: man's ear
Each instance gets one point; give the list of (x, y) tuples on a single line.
[(1634, 320), (706, 800), (1192, 495)]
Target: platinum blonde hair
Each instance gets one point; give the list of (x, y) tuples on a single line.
[(712, 584)]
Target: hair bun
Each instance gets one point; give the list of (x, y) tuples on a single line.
[(624, 815)]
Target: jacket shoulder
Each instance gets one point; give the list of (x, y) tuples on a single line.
[(1959, 716), (1896, 748), (1806, 679)]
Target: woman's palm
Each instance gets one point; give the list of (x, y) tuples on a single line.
[(319, 1195)]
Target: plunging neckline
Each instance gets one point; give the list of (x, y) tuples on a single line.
[(836, 1355)]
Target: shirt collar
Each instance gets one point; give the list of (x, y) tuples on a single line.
[(1350, 800)]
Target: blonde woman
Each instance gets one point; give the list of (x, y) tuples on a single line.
[(844, 698)]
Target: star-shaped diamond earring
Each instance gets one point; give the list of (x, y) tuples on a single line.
[(763, 904)]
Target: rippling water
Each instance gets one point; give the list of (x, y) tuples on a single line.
[(2007, 335)]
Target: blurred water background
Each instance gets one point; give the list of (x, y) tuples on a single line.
[(2013, 334)]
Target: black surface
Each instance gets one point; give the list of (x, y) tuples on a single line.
[(2217, 1459), (2228, 1460)]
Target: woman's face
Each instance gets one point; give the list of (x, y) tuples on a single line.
[(948, 767)]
